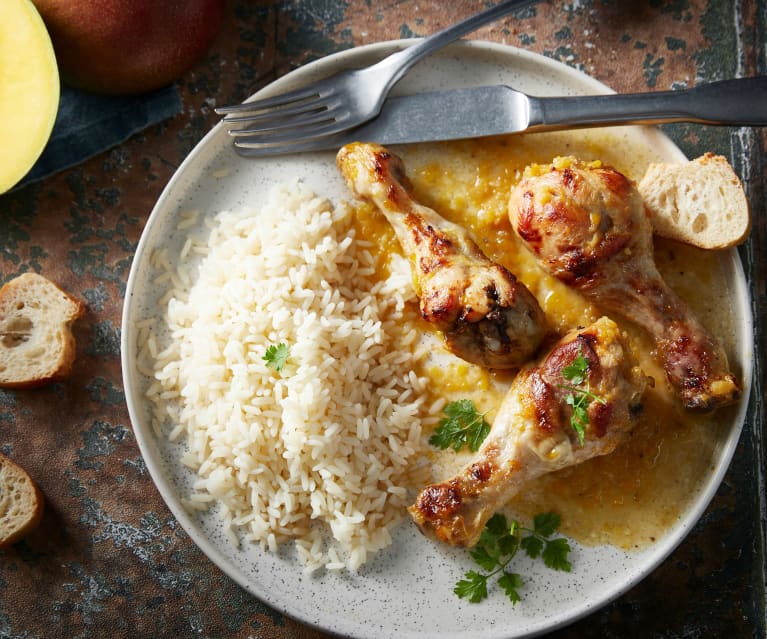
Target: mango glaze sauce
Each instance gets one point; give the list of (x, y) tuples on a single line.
[(626, 499)]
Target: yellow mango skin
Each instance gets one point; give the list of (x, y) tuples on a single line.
[(29, 89)]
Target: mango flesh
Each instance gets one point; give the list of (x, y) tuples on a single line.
[(29, 90)]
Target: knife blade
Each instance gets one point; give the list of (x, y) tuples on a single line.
[(477, 112)]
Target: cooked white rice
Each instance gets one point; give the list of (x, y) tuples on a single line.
[(319, 452)]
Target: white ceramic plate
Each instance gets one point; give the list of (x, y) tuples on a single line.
[(406, 590)]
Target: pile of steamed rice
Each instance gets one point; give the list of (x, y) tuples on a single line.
[(320, 452)]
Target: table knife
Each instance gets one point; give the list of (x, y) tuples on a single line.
[(493, 110)]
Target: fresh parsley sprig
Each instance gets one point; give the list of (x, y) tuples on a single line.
[(463, 426), (276, 356), (499, 544), (580, 397)]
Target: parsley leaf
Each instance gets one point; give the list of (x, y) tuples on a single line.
[(463, 426), (546, 524), (533, 546), (576, 373), (473, 588), (495, 526), (509, 583), (555, 553), (482, 557), (277, 356), (499, 543)]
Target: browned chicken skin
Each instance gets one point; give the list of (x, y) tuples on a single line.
[(532, 434), (486, 315), (589, 227)]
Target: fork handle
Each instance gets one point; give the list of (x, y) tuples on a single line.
[(740, 102), (397, 64)]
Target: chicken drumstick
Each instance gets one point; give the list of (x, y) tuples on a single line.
[(589, 227), (533, 432), (485, 314)]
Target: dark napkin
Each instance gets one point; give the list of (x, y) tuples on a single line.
[(87, 124)]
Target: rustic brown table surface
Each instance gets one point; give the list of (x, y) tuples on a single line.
[(109, 560)]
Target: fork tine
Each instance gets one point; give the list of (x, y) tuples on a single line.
[(296, 124), (297, 108), (289, 135), (276, 101)]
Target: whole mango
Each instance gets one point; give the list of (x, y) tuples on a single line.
[(129, 46)]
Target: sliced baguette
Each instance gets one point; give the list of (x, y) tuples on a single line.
[(21, 503), (700, 202), (36, 341)]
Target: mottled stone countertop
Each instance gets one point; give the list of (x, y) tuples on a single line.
[(109, 559)]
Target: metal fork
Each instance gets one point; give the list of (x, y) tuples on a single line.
[(348, 98)]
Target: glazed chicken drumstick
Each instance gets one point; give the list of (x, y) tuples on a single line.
[(486, 315), (533, 433), (589, 227)]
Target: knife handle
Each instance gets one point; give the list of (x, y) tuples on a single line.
[(739, 102)]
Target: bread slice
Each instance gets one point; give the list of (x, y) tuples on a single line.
[(21, 503), (700, 202), (36, 341)]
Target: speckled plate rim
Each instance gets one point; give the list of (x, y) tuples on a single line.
[(364, 614)]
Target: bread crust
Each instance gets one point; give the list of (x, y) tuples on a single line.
[(36, 341), (21, 502)]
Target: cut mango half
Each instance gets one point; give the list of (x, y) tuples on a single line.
[(29, 89)]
